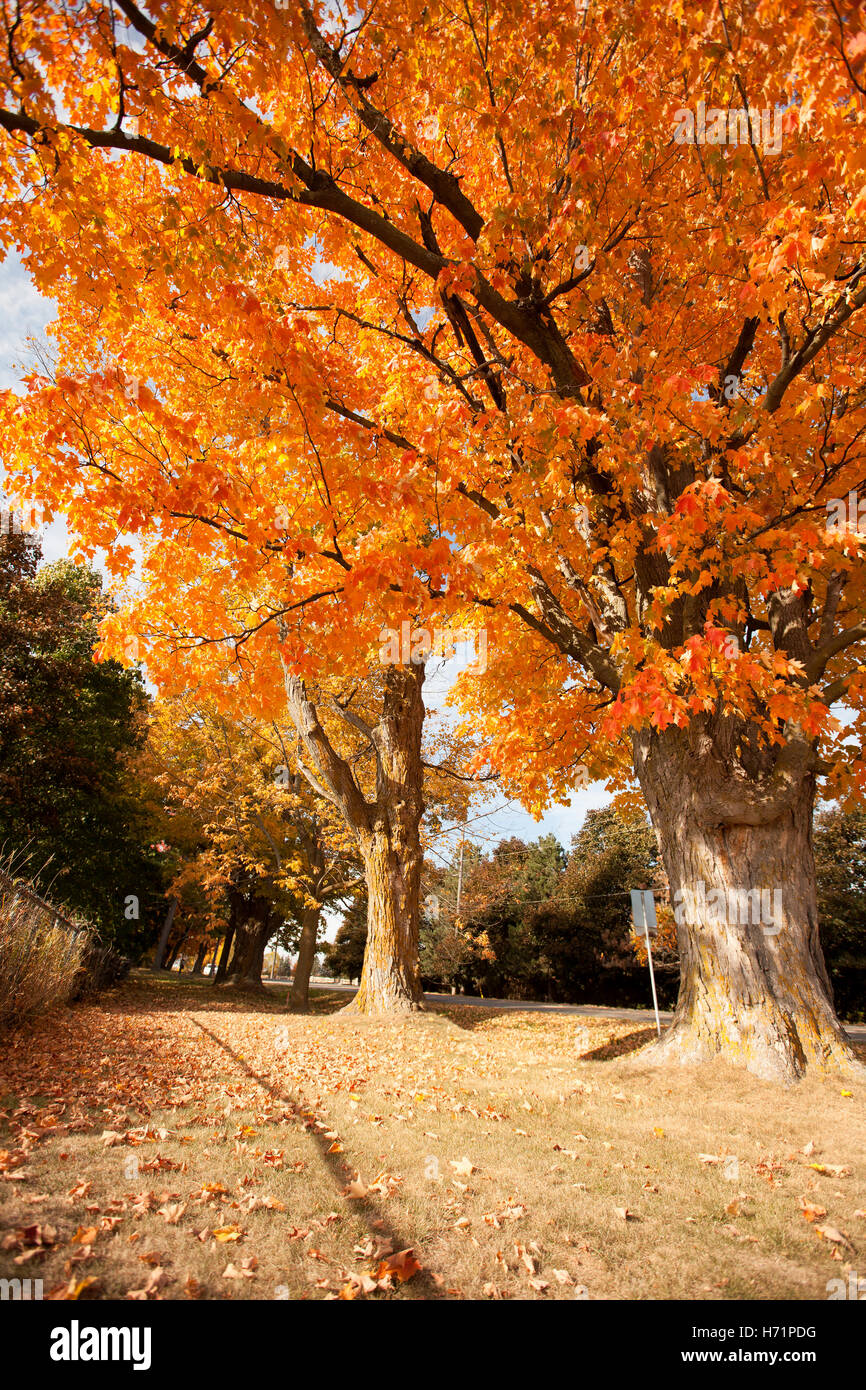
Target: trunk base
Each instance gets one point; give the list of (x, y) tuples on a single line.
[(780, 1049), (243, 983), (368, 1007)]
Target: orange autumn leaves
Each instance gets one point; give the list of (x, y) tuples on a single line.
[(350, 334)]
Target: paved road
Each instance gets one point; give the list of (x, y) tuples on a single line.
[(856, 1031)]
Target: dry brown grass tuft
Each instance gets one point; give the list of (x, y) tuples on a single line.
[(39, 956)]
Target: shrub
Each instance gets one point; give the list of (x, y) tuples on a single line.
[(41, 952), (101, 968)]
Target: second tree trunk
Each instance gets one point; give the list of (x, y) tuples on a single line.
[(754, 988)]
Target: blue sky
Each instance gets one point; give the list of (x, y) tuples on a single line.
[(25, 315)]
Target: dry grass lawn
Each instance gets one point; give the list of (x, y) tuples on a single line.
[(177, 1142)]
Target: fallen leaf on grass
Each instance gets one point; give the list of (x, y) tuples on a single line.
[(525, 1258), (173, 1213), (401, 1266), (226, 1233), (358, 1284), (355, 1190), (810, 1211), (156, 1280), (385, 1184), (834, 1235), (74, 1290), (32, 1241), (463, 1167), (85, 1236)]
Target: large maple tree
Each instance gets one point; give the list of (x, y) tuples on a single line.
[(418, 311)]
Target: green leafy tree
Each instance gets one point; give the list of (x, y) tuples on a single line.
[(344, 957), (586, 942), (559, 926), (840, 865), (70, 815), (500, 901)]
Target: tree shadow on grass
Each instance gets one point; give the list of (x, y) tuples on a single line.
[(422, 1284), (620, 1047), (469, 1017), (164, 991)]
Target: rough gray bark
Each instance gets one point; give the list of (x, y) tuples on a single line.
[(299, 994), (165, 934), (251, 939), (753, 984), (386, 827)]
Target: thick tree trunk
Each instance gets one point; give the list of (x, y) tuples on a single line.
[(754, 988), (391, 853), (222, 968), (252, 975), (387, 828), (175, 952), (251, 940), (299, 994), (159, 959), (249, 973), (240, 950), (199, 960), (230, 939), (390, 977)]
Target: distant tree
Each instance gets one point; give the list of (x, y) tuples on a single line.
[(69, 726), (840, 865), (550, 925), (499, 899), (588, 931), (247, 836), (344, 957)]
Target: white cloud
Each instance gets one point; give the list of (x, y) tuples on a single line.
[(25, 314)]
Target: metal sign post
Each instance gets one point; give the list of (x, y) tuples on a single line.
[(643, 915)]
